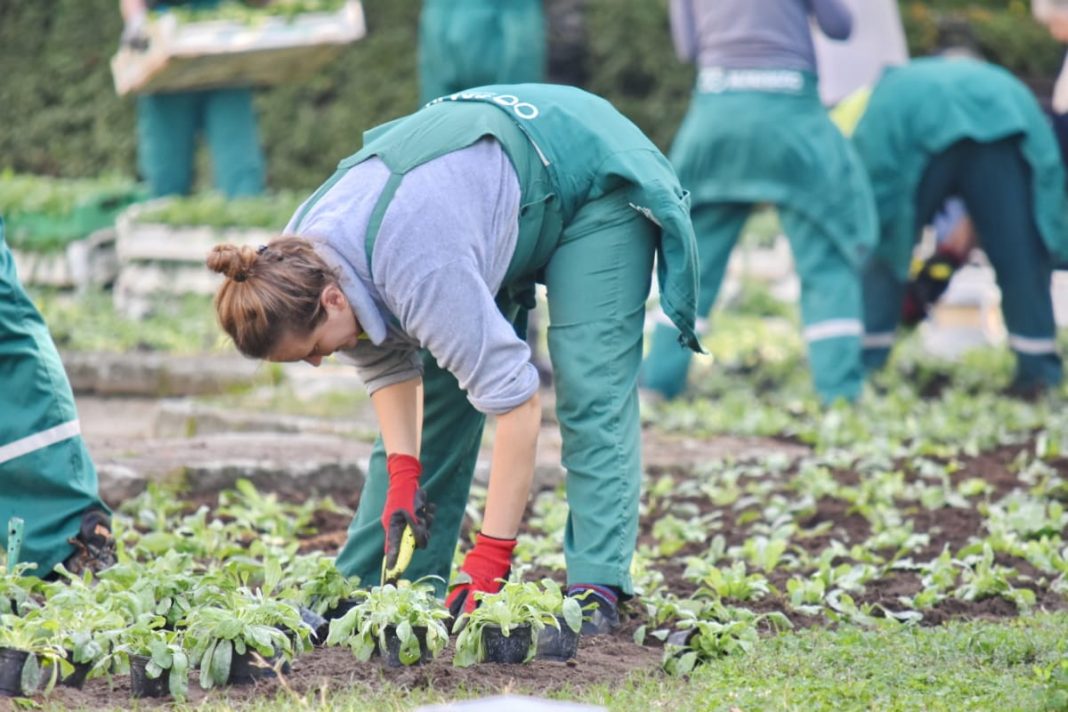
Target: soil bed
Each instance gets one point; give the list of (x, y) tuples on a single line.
[(604, 661), (612, 659)]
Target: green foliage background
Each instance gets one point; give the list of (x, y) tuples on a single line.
[(59, 114)]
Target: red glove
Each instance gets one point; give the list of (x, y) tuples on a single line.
[(488, 561), (928, 282), (405, 504)]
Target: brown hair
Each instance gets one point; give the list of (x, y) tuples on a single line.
[(269, 291)]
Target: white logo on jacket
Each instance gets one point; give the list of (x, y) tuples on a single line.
[(522, 109), (716, 80)]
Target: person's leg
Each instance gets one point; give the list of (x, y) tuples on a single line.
[(598, 281), (522, 43), (717, 226), (166, 141), (236, 157), (452, 433), (883, 297), (442, 51), (996, 186), (46, 475), (831, 308), (884, 292)]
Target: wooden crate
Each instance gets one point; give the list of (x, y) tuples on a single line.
[(221, 53)]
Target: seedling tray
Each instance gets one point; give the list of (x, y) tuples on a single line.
[(220, 53)]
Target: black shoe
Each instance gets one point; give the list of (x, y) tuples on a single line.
[(94, 547), (1031, 392), (603, 617)]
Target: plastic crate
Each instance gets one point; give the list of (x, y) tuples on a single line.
[(220, 53)]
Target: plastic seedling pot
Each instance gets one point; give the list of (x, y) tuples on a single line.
[(141, 685), (681, 638), (320, 626), (11, 665), (392, 656), (77, 678), (343, 606), (500, 649), (245, 668), (559, 645)]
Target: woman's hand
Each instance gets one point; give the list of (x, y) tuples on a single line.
[(406, 509), (484, 570), (511, 475), (399, 408)]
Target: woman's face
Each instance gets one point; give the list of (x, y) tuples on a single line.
[(338, 331)]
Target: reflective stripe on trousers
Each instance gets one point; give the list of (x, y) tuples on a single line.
[(39, 441)]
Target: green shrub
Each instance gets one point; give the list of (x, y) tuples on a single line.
[(61, 116)]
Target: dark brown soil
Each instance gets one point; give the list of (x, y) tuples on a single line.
[(600, 661), (612, 659), (948, 526)]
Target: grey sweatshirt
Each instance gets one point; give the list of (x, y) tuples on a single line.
[(754, 34), (440, 257)]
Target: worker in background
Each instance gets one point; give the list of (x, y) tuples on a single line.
[(756, 133), (470, 43), (936, 128), (169, 123), (47, 478)]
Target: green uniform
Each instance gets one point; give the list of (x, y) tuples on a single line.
[(762, 136), (470, 43), (939, 128), (598, 201), (46, 475), (167, 128)]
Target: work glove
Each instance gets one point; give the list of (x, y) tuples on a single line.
[(135, 32), (485, 568), (927, 283), (406, 517)]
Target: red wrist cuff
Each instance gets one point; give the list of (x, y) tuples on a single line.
[(493, 545), (403, 467)]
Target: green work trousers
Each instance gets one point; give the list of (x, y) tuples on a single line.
[(167, 129), (597, 282), (46, 475), (994, 181), (830, 302), (472, 43)]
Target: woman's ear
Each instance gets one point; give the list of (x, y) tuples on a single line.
[(333, 298)]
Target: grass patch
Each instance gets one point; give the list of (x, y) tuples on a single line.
[(89, 322), (975, 665)]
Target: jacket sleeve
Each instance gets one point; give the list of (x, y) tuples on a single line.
[(452, 314), (394, 361), (684, 30), (833, 17)]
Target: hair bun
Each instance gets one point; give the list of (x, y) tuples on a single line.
[(233, 261)]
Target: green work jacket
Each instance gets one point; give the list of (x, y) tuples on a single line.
[(568, 147), (762, 136), (918, 110)]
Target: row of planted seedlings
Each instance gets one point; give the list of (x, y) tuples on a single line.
[(235, 602), (741, 535), (930, 444)]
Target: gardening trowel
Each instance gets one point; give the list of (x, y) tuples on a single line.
[(404, 552), (404, 536)]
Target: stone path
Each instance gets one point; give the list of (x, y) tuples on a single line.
[(137, 440)]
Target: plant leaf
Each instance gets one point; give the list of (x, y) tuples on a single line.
[(220, 662), (572, 614), (179, 679)]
